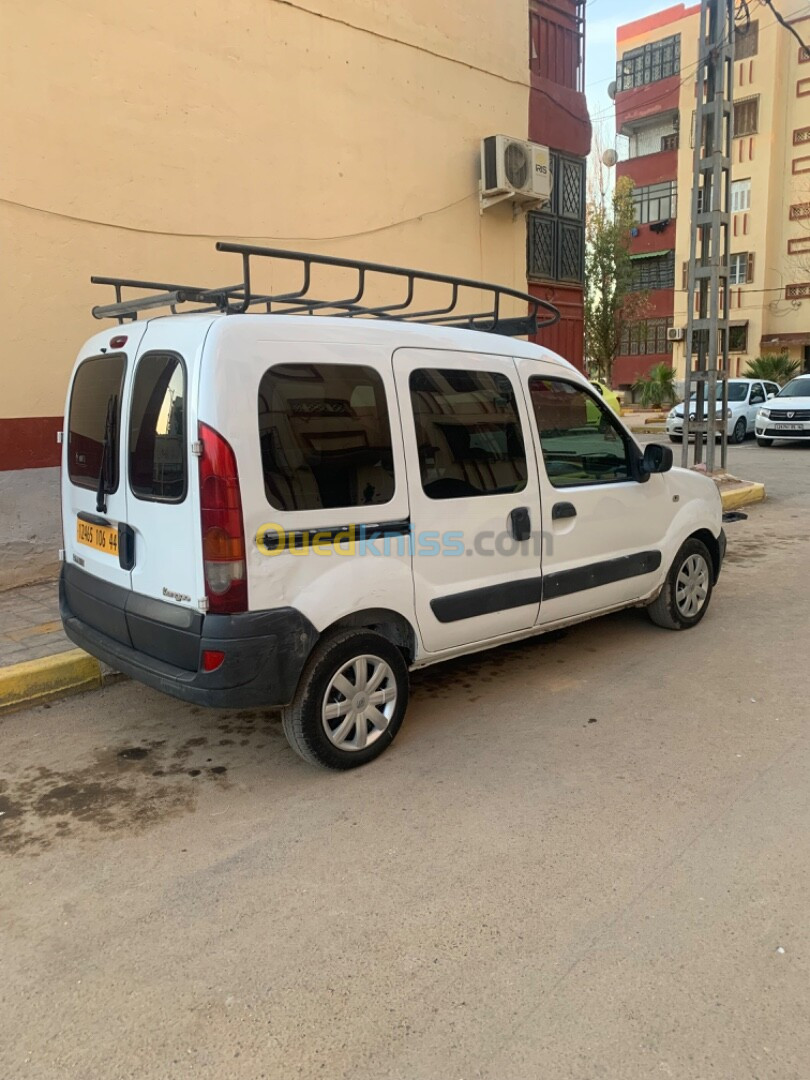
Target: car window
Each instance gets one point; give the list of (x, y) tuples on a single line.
[(757, 394), (581, 441), (95, 410), (157, 429), (468, 433), (325, 437)]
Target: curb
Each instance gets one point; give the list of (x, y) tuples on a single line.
[(742, 494), (35, 681)]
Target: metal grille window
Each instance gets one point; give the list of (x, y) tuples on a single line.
[(556, 234), (649, 63), (801, 136), (740, 195), (746, 116), (799, 291), (556, 45), (646, 337), (746, 44), (799, 211), (654, 272), (656, 202)]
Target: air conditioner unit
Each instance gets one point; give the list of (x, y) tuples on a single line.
[(514, 169), (675, 333)]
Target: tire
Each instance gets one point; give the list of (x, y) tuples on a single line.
[(674, 608), (740, 431), (676, 438), (306, 721), (764, 442)]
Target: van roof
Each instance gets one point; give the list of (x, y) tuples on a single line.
[(215, 328)]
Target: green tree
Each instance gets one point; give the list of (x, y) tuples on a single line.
[(778, 367), (609, 300), (656, 387)]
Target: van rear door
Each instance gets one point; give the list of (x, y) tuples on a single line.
[(94, 481), (160, 475)]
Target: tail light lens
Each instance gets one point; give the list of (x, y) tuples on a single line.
[(223, 532)]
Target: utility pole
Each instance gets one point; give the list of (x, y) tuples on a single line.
[(707, 319)]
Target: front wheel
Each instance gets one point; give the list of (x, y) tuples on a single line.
[(764, 442), (739, 432), (687, 591), (350, 702), (676, 438)]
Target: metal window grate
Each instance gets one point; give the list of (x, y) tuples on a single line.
[(542, 246), (649, 63), (466, 304)]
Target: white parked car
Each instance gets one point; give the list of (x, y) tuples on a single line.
[(787, 416), (745, 398), (265, 509)]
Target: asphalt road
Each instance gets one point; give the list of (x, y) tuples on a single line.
[(582, 858)]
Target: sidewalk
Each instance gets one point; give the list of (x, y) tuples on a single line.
[(30, 627)]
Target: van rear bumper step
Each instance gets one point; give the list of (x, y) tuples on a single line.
[(265, 651)]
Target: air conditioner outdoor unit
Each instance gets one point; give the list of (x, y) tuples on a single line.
[(514, 169), (675, 333)]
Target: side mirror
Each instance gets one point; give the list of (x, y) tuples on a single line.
[(771, 396), (656, 459)]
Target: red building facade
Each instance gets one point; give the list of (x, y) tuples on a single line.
[(558, 118)]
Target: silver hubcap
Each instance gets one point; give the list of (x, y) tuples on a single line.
[(359, 703), (692, 586)]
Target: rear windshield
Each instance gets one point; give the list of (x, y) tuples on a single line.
[(157, 429), (95, 408)]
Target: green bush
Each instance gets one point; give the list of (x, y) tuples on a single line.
[(776, 367), (656, 387)]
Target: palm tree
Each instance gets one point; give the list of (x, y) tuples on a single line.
[(656, 387), (777, 367)]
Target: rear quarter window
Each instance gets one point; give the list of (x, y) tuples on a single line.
[(325, 437), (95, 408)]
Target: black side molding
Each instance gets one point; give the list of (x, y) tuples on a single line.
[(485, 601), (602, 573)]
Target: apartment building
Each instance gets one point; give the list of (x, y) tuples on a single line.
[(770, 193)]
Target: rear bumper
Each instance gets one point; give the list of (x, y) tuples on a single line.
[(161, 644)]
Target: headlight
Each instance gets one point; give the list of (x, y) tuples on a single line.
[(728, 414), (671, 414), (765, 413)]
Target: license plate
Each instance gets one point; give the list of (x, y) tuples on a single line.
[(101, 537), (788, 427)]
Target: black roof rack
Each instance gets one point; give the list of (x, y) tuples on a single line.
[(239, 298)]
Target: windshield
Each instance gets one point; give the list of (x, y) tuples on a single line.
[(736, 392), (796, 388)]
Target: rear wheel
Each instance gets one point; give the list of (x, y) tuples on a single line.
[(350, 702), (739, 432), (764, 442), (687, 591)]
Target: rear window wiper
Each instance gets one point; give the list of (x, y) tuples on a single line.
[(105, 471)]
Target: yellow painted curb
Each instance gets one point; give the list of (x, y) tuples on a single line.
[(742, 495), (37, 680)]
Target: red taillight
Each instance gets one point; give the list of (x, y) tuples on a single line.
[(212, 659), (223, 533)]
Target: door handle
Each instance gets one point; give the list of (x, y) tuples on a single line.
[(563, 510), (520, 523)]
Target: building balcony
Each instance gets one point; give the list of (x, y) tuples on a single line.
[(558, 111)]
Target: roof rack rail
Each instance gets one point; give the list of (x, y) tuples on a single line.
[(238, 299)]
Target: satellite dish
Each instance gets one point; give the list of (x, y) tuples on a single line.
[(609, 158), (612, 90)]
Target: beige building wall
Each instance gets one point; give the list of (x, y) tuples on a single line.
[(137, 134), (766, 158)]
